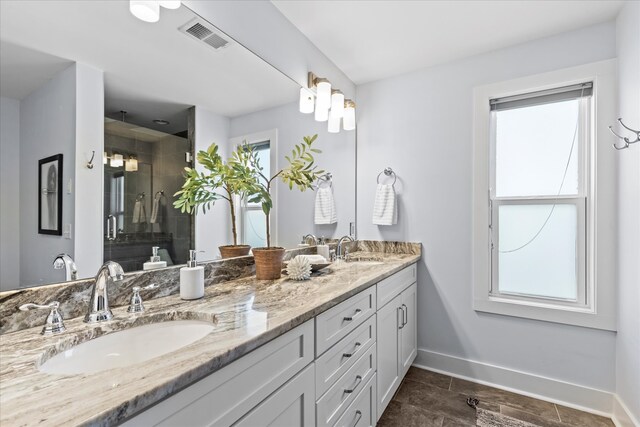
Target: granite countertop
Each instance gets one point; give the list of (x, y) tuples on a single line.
[(246, 313)]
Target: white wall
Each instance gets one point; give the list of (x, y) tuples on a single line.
[(47, 127), (421, 125), (295, 210), (88, 191), (10, 193), (260, 27), (628, 342), (212, 229)]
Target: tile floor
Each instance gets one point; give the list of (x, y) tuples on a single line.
[(429, 399)]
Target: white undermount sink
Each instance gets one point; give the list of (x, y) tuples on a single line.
[(127, 347)]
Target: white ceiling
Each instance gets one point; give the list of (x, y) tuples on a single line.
[(151, 70), (371, 40)]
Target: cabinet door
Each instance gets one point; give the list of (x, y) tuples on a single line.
[(292, 405), (389, 375), (409, 332)]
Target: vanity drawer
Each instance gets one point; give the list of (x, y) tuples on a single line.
[(335, 362), (335, 323), (393, 285), (362, 412), (331, 406)]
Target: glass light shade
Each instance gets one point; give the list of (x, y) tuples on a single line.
[(321, 114), (337, 104), (131, 165), (117, 161), (170, 4), (147, 11), (334, 125), (349, 120), (323, 94), (306, 101), (104, 157)]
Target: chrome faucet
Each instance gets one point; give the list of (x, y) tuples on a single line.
[(339, 251), (65, 261), (306, 237), (99, 310)]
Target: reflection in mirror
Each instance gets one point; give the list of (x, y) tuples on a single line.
[(63, 87)]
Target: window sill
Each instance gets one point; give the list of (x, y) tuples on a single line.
[(584, 317)]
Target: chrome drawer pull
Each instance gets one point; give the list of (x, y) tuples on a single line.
[(350, 318), (358, 416), (405, 315), (354, 350), (358, 381), (398, 310)]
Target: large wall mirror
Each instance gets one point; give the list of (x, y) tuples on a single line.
[(163, 92)]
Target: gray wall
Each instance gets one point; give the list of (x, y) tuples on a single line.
[(628, 342), (421, 125), (47, 127), (295, 209), (10, 193)]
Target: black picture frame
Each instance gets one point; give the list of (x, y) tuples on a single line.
[(50, 195)]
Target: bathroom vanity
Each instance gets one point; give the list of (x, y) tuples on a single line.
[(330, 351)]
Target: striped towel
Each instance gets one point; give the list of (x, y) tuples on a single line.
[(385, 209), (325, 207)]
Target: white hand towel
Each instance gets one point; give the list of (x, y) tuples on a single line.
[(139, 213), (385, 209), (156, 212), (325, 212), (314, 259)]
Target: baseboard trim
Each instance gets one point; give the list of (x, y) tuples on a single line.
[(572, 395), (621, 415)]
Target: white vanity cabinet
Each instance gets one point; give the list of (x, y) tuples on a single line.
[(397, 333)]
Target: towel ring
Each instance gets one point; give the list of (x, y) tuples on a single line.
[(388, 172), (327, 179)]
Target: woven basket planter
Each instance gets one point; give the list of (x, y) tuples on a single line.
[(268, 262), (232, 251)]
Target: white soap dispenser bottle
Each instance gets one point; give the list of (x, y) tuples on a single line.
[(192, 279), (154, 262)]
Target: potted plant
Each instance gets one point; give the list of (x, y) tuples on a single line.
[(301, 172), (222, 181)]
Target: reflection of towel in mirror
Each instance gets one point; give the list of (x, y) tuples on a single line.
[(139, 213), (156, 212), (325, 207), (385, 209)]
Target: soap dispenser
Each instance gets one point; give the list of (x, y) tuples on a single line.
[(154, 262), (323, 248), (192, 279)]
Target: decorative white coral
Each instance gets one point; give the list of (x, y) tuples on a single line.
[(299, 268)]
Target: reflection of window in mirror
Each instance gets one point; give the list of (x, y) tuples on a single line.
[(117, 199), (253, 228)]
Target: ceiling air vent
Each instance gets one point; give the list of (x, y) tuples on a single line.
[(206, 33)]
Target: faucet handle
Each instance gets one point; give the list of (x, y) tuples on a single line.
[(53, 324), (136, 305)]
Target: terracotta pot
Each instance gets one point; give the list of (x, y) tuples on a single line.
[(268, 262), (232, 251)]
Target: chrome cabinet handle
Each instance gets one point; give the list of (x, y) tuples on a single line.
[(405, 315), (350, 318), (401, 322), (358, 416), (112, 226), (54, 323), (354, 351), (358, 381)]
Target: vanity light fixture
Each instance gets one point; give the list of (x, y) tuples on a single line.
[(349, 120), (131, 165), (321, 113), (117, 161), (334, 124), (306, 101), (149, 10), (104, 157), (323, 90), (337, 104)]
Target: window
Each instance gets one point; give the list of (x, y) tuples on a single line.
[(254, 227), (544, 196), (540, 143)]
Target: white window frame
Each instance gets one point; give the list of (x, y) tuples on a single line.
[(270, 136), (596, 306)]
